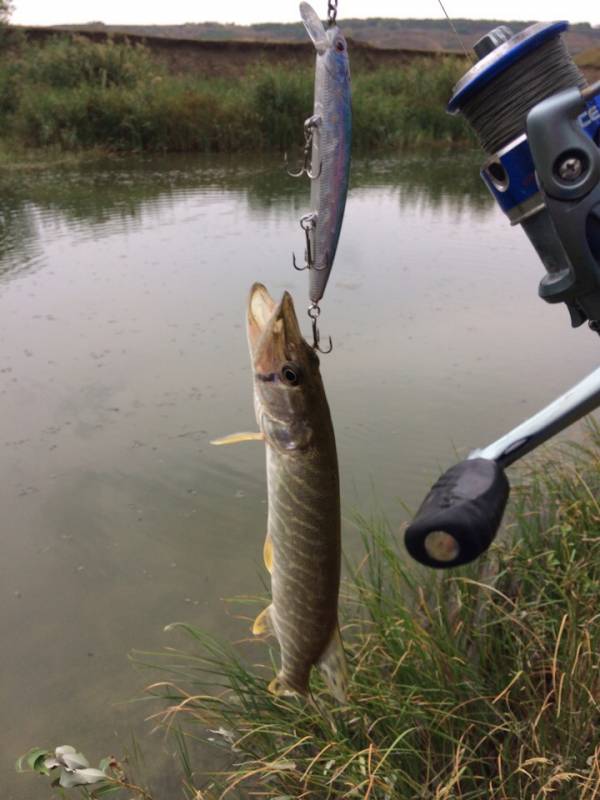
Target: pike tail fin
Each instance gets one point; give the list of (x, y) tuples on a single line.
[(334, 667), (280, 687)]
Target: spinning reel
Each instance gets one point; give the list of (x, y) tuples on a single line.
[(539, 124)]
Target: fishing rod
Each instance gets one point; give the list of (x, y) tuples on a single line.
[(539, 123)]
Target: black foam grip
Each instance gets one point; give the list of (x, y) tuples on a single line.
[(467, 502)]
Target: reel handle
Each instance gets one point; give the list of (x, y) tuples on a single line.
[(460, 516)]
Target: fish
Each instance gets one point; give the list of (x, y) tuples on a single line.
[(331, 129), (302, 550)]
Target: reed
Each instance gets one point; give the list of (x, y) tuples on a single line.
[(76, 94), (480, 683)]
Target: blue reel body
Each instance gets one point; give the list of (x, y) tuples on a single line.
[(510, 174)]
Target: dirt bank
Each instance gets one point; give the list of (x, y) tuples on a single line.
[(233, 58)]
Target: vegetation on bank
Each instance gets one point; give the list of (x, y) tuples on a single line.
[(480, 683), (76, 94)]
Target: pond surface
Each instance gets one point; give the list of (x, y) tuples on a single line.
[(122, 352)]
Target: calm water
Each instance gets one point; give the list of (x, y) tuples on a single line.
[(122, 352)]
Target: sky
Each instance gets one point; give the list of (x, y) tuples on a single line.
[(55, 12)]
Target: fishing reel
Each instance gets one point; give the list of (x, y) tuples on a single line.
[(539, 124)]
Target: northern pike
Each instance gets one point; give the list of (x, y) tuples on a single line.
[(330, 131), (302, 550)]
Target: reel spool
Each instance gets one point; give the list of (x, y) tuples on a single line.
[(521, 88)]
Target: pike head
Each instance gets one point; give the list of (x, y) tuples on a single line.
[(288, 392)]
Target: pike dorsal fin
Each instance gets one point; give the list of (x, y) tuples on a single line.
[(334, 668)]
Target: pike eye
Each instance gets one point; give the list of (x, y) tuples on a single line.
[(340, 47), (291, 374)]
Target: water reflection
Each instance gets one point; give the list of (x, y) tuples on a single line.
[(122, 352), (19, 242), (441, 179), (104, 198)]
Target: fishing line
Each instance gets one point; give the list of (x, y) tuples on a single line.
[(498, 112), (456, 33)]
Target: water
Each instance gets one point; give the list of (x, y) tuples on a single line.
[(122, 352)]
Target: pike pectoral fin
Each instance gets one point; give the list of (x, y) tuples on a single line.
[(263, 623), (334, 668), (268, 553), (234, 438)]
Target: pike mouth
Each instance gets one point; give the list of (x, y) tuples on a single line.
[(261, 307), (273, 332)]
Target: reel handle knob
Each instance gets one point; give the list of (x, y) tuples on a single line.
[(460, 516)]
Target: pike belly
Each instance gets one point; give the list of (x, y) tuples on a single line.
[(304, 532)]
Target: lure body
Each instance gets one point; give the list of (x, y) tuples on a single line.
[(331, 127)]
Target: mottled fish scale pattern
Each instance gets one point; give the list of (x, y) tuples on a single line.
[(304, 526), (302, 550)]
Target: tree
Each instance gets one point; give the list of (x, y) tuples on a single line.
[(6, 9)]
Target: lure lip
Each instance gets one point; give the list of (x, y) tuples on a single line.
[(314, 27)]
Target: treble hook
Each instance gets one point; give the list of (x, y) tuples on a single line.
[(306, 168), (314, 312), (307, 223)]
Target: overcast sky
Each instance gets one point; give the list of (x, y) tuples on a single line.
[(53, 12)]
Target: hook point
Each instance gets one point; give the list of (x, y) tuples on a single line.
[(314, 313), (317, 346), (300, 269)]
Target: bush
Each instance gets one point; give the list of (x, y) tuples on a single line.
[(162, 117), (69, 63), (9, 87), (74, 93), (281, 101), (398, 107)]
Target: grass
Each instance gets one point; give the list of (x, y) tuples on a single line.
[(15, 158), (74, 94), (480, 683)]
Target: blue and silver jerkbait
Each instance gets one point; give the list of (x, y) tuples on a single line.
[(329, 134)]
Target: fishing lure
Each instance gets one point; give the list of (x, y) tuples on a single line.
[(328, 135)]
